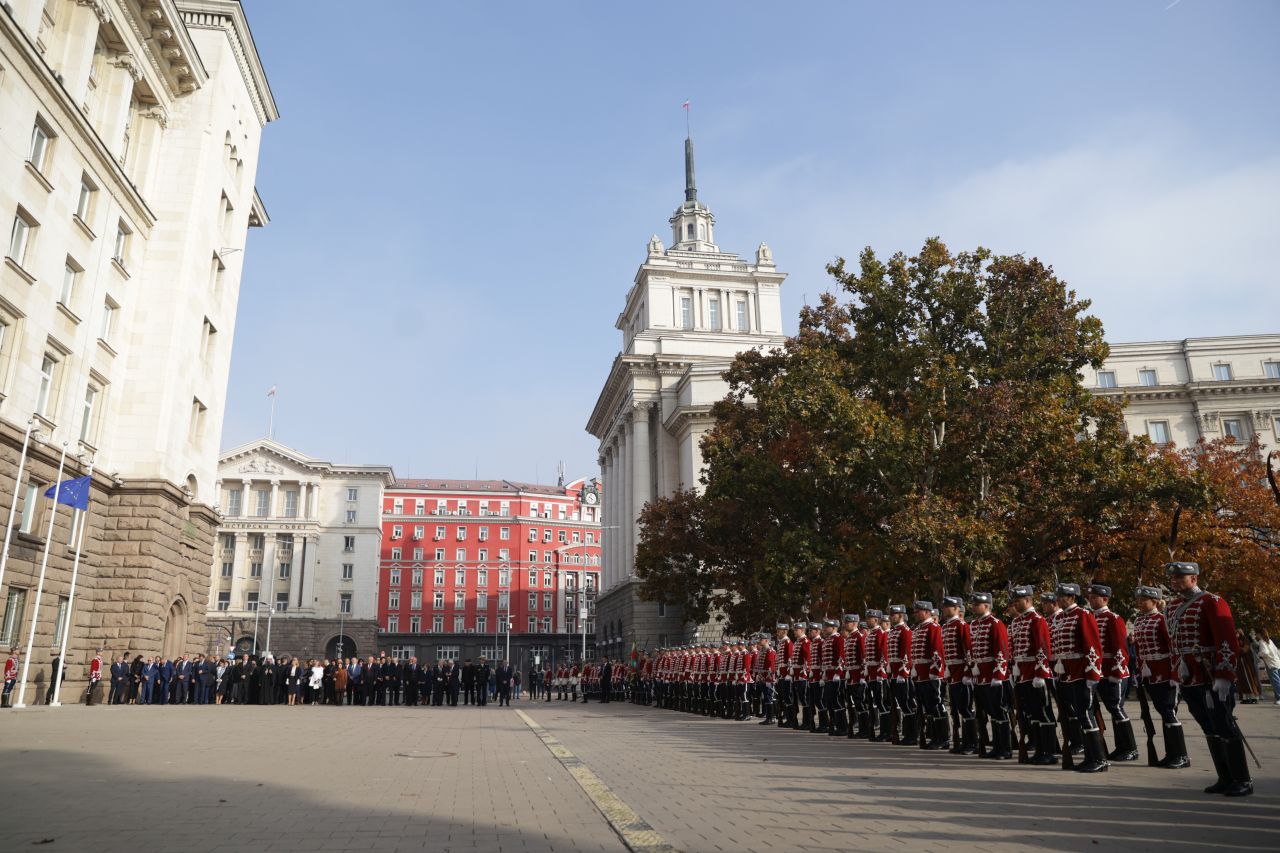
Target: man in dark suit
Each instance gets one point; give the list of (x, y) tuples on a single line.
[(468, 683), (606, 680), (164, 677), (119, 681), (355, 681), (147, 681), (411, 683), (503, 676), (372, 674), (481, 677), (394, 671), (235, 681), (453, 683)]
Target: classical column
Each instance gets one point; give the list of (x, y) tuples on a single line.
[(246, 498), (641, 465), (239, 570), (627, 522), (83, 20), (271, 507), (118, 102), (145, 147), (218, 503), (267, 590), (307, 568), (606, 537)]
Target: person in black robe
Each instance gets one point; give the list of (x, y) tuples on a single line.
[(330, 670), (267, 679), (438, 682)]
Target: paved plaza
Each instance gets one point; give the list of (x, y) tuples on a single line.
[(566, 778)]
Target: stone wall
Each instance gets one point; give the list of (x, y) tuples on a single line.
[(621, 612), (143, 580), (295, 636)]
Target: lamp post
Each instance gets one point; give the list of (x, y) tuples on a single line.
[(271, 611)]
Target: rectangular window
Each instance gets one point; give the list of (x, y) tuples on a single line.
[(107, 329), (460, 577), (462, 533), (348, 571), (251, 601), (48, 381), (282, 602), (397, 531), (448, 652), (439, 578), (348, 543), (284, 571), (459, 600), (1233, 428), (393, 577), (546, 601), (198, 414), (1147, 378), (393, 600), (437, 624), (291, 504), (396, 553), (504, 554), (397, 506), (482, 555), (1222, 372), (483, 535), (351, 516), (415, 600), (662, 609), (713, 306), (533, 601), (120, 251), (208, 340), (14, 607), (504, 577), (263, 504), (439, 554), (417, 531), (533, 579), (439, 532), (1158, 431), (419, 507), (504, 533), (741, 320), (546, 624), (437, 599), (459, 624), (1271, 369), (84, 204), (70, 277), (482, 625), (228, 569), (224, 600), (482, 601), (504, 601), (415, 624), (686, 312), (37, 154), (482, 577), (255, 569), (393, 624), (21, 236), (417, 577), (353, 494), (1106, 379), (60, 624), (533, 624), (234, 498), (460, 555), (547, 581)]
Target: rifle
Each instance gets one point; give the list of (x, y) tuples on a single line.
[(1068, 760), (1022, 728), (1153, 758)]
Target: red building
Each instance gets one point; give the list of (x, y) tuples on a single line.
[(462, 557)]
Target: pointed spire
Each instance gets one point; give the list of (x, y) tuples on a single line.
[(690, 185)]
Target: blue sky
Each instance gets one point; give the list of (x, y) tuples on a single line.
[(460, 193)]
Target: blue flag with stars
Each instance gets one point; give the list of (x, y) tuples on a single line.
[(73, 493)]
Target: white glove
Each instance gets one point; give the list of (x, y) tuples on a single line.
[(1037, 682), (1222, 688), (967, 681), (899, 679), (1115, 680), (1146, 671), (835, 678)]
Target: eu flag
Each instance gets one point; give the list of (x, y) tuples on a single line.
[(73, 493)]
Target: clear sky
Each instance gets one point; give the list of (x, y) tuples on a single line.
[(460, 193)]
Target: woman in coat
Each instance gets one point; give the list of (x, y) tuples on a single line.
[(339, 682)]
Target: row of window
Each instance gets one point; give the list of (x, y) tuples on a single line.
[(1222, 372), (461, 625), (483, 601), (282, 601), (714, 320), (15, 608), (504, 533), (504, 578), (460, 507), (404, 652), (1234, 427), (504, 555)]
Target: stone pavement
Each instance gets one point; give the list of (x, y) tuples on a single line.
[(713, 785), (464, 779), (291, 779)]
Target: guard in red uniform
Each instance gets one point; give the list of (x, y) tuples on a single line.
[(926, 675), (724, 665), (818, 712), (767, 666), (1114, 635), (10, 677), (1029, 644), (95, 675), (782, 674), (875, 673), (832, 655), (806, 681), (797, 662), (956, 658), (1077, 652), (990, 667), (1204, 640), (854, 698), (904, 700), (1156, 677)]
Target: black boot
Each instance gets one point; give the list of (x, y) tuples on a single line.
[(939, 734), (868, 725), (884, 726), (1175, 748), (969, 736), (1001, 741), (1071, 738), (768, 714), (806, 724), (854, 728), (1126, 747), (1095, 753), (1045, 743), (1218, 751), (1238, 766), (910, 729), (823, 724)]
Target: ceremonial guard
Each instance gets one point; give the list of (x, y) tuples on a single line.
[(956, 658), (782, 673), (1114, 636), (926, 674), (746, 666), (832, 659), (990, 667), (10, 677), (1029, 642), (1204, 640), (95, 676), (802, 710), (1157, 679), (875, 670), (855, 649), (817, 714), (904, 703), (724, 661), (767, 664), (1077, 652)]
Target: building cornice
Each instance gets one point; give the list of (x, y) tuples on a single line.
[(270, 447), (167, 45), (228, 16), (1192, 391)]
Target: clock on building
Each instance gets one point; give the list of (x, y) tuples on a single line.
[(590, 494)]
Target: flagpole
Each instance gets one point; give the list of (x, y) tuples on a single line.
[(271, 421), (71, 596), (13, 507), (35, 611)]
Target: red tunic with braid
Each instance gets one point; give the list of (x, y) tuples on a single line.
[(1029, 643), (989, 650), (832, 655), (796, 658), (876, 666), (900, 651), (1153, 649), (782, 658), (855, 653), (1077, 648), (1204, 638), (955, 649), (926, 651), (1114, 637), (805, 660)]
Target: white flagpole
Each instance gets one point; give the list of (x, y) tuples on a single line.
[(271, 421), (13, 507), (71, 596), (44, 564)]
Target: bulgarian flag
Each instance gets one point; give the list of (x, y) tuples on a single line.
[(635, 655)]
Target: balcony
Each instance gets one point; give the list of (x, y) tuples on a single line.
[(228, 554), (255, 555)]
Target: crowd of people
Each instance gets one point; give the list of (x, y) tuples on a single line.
[(1035, 687)]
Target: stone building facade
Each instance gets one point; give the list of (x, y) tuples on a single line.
[(129, 140), (691, 308), (295, 570)]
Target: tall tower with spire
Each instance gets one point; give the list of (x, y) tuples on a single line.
[(690, 310)]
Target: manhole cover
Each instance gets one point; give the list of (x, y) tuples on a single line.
[(424, 754)]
